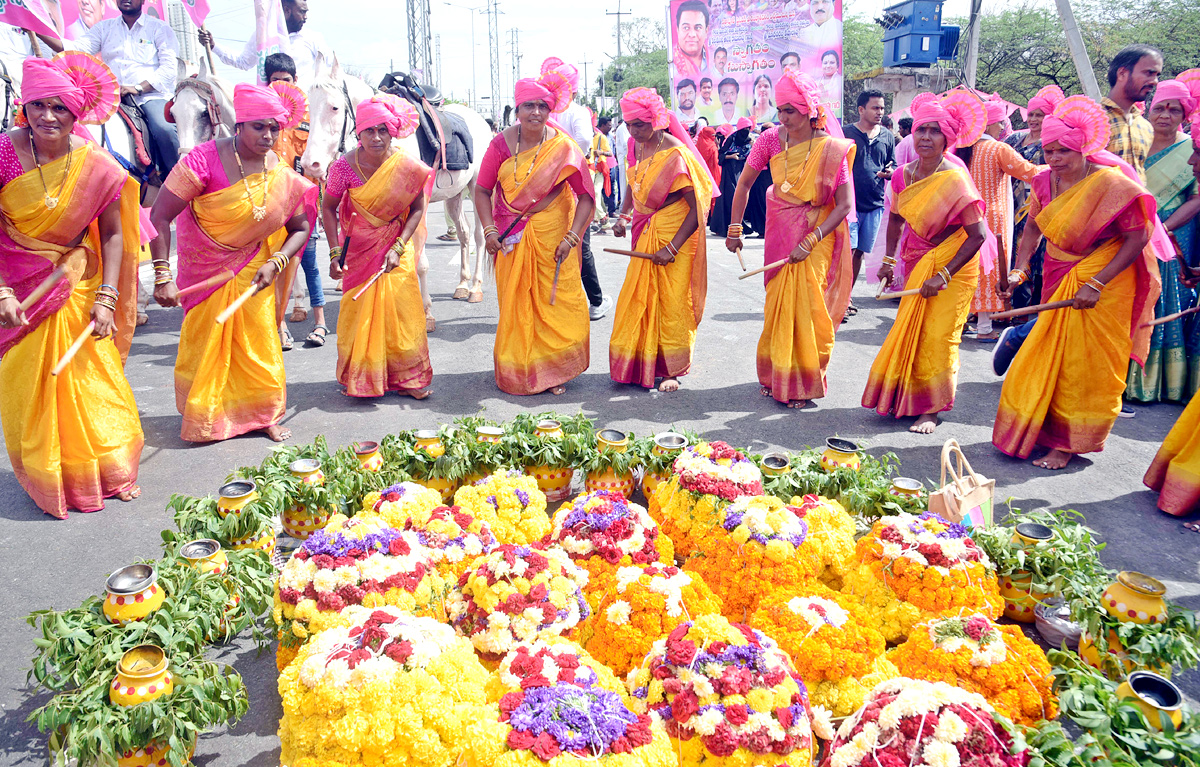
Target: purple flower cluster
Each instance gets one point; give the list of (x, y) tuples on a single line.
[(523, 497), (953, 529), (578, 718), (397, 490), (340, 545), (734, 518), (617, 509)]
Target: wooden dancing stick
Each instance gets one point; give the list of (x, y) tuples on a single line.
[(741, 260), (216, 281), (898, 294), (762, 269), (633, 254), (516, 221), (74, 348), (1170, 317), (237, 304), (554, 286), (43, 287), (212, 70), (346, 242), (370, 282), (1033, 309)]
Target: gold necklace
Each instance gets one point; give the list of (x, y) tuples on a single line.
[(786, 186), (358, 167), (259, 211), (1087, 168), (637, 179), (532, 162), (50, 201)]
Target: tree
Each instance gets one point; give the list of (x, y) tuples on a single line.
[(862, 51), (643, 60)]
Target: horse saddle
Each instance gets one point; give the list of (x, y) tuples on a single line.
[(135, 121), (443, 138)]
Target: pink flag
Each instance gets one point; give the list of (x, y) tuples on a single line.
[(28, 14), (270, 32), (197, 9)]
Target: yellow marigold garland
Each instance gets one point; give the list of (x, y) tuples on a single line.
[(998, 662), (389, 689), (758, 545), (831, 533), (704, 478), (835, 649), (644, 605), (399, 502), (510, 503)]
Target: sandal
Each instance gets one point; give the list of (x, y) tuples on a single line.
[(285, 339), (447, 237), (1192, 526), (317, 336), (851, 310)]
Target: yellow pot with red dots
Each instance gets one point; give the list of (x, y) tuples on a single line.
[(264, 543), (132, 594), (444, 487), (153, 755), (1136, 598), (206, 555), (610, 441), (1019, 596), (428, 440), (142, 676), (667, 443), (553, 481), (233, 496), (840, 454), (368, 455), (300, 521)]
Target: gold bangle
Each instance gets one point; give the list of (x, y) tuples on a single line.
[(1095, 284), (944, 273), (7, 292), (105, 301), (491, 229), (335, 252), (889, 260)]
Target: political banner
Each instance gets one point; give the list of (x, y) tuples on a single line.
[(76, 17), (29, 14), (726, 55)]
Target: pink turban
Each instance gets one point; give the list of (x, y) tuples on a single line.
[(801, 91), (398, 115), (552, 86), (997, 110), (1185, 89), (256, 102), (1045, 100), (1079, 124), (959, 114), (566, 70), (42, 79), (646, 105), (744, 122)]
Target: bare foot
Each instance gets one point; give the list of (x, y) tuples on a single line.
[(669, 385), (277, 433), (129, 494), (798, 403), (766, 392), (557, 390), (430, 323), (415, 393), (1054, 460), (925, 424)]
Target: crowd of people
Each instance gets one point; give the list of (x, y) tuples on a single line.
[(1097, 187)]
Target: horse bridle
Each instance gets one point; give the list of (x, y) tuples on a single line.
[(207, 95), (8, 93), (348, 119)]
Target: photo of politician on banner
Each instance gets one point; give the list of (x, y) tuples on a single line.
[(726, 55)]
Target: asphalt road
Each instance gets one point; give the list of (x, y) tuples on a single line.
[(48, 563)]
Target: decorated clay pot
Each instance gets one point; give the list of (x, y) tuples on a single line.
[(1153, 694), (428, 440), (774, 464), (299, 521), (492, 434), (840, 454), (1031, 534), (903, 487), (610, 440), (368, 455), (142, 676), (153, 755), (445, 487), (553, 481), (667, 443), (264, 543), (133, 593), (233, 496), (206, 555), (1136, 598), (1019, 597), (548, 428)]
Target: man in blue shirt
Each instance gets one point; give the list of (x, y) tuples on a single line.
[(874, 161)]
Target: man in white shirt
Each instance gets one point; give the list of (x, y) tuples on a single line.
[(141, 51), (621, 152), (576, 120), (305, 46)]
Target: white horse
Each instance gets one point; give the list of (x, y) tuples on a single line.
[(202, 108), (332, 98)]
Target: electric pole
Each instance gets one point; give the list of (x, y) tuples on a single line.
[(516, 56), (619, 14), (437, 44), (585, 62), (973, 26), (494, 44), (1083, 65), (420, 57)]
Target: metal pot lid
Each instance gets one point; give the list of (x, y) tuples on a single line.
[(145, 660), (131, 579), (365, 448), (670, 440), (906, 483), (549, 423), (238, 488), (1034, 530), (1156, 690), (304, 466), (1142, 583), (199, 549), (426, 434), (490, 431), (613, 435), (841, 445), (776, 461)]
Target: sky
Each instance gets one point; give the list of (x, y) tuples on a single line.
[(368, 34)]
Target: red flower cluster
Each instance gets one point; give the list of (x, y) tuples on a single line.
[(370, 640), (722, 488), (528, 666), (335, 601)]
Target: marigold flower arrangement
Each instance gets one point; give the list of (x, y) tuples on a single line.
[(546, 662), (910, 722), (998, 662), (388, 689), (833, 645), (398, 503), (603, 531), (644, 604), (454, 536), (510, 503), (517, 594), (566, 723), (727, 695), (704, 477), (931, 566), (359, 563), (758, 545), (831, 532)]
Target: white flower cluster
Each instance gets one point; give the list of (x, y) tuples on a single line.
[(830, 612), (297, 574), (582, 546), (954, 549), (668, 581), (690, 465)]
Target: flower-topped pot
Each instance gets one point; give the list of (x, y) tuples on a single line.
[(206, 555), (233, 496), (133, 593), (299, 521), (1136, 598), (368, 455), (704, 478), (667, 443), (1153, 694), (142, 676), (774, 464), (614, 441), (840, 454), (904, 487)]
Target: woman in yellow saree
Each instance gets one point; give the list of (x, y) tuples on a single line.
[(807, 236), (662, 300), (73, 439), (239, 210), (1063, 390), (534, 199), (916, 370), (376, 199)]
